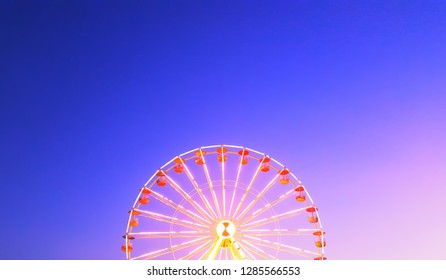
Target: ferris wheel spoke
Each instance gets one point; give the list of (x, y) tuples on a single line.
[(186, 196), (267, 207), (274, 218), (275, 232), (211, 186), (256, 250), (199, 191), (232, 253), (170, 234), (170, 249), (207, 252), (238, 252), (247, 190), (196, 251), (256, 255), (248, 252), (178, 207), (170, 220), (258, 197), (220, 254), (236, 184), (282, 247), (223, 193)]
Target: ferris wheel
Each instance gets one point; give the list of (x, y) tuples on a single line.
[(224, 202)]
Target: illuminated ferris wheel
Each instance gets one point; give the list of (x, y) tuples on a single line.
[(224, 202)]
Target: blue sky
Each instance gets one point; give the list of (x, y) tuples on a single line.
[(96, 95)]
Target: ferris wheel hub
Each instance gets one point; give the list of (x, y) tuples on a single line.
[(226, 229)]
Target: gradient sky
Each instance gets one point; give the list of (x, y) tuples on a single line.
[(96, 95)]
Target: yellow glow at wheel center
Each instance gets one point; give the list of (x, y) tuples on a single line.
[(226, 229)]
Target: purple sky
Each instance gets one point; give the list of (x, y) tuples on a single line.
[(96, 95)]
